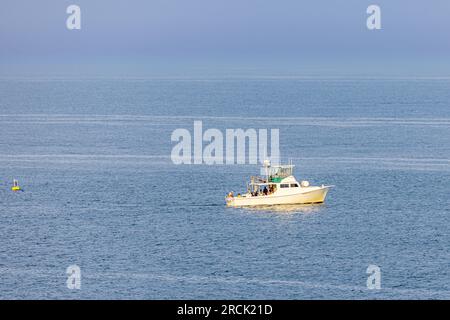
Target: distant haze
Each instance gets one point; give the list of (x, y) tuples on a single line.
[(289, 37)]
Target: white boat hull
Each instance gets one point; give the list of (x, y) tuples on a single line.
[(306, 195)]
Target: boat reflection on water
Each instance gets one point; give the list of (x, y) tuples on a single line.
[(287, 208)]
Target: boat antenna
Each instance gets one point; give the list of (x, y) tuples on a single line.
[(290, 165), (266, 167)]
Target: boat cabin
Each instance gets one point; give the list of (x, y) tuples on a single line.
[(277, 179)]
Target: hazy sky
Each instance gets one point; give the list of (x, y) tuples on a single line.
[(317, 36)]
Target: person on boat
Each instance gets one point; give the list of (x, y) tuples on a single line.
[(265, 191)]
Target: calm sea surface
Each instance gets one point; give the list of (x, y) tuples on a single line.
[(101, 192)]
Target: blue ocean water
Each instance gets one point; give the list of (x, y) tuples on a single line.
[(101, 192)]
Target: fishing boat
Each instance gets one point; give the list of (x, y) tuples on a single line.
[(277, 187)]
